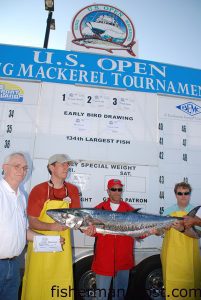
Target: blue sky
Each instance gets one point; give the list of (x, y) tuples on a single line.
[(167, 30)]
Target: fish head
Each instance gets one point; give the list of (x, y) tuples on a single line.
[(69, 217)]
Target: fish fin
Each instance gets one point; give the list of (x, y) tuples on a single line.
[(193, 212), (138, 239), (136, 210)]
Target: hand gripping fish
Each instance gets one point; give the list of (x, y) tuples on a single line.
[(133, 223)]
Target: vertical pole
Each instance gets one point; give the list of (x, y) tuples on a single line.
[(47, 33)]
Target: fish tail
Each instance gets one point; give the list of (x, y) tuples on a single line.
[(138, 239), (192, 213), (130, 50)]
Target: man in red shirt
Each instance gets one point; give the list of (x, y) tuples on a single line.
[(113, 257), (48, 273)]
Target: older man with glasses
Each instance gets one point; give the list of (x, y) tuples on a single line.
[(180, 254), (13, 224)]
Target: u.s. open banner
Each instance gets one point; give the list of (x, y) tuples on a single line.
[(98, 70)]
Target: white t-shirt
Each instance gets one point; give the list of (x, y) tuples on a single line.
[(114, 206), (13, 221)]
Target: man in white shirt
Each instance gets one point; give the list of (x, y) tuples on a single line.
[(13, 224)]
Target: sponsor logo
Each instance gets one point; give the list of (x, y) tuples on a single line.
[(103, 27), (10, 92), (190, 108)]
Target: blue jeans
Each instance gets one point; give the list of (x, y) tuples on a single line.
[(119, 288), (9, 279)]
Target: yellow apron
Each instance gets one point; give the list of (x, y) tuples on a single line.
[(49, 276), (181, 263)]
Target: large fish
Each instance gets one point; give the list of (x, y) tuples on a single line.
[(133, 223)]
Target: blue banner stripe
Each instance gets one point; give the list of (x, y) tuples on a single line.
[(70, 67)]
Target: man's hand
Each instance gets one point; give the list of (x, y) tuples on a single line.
[(178, 225), (191, 221), (90, 231), (153, 231), (36, 224), (62, 240), (57, 227)]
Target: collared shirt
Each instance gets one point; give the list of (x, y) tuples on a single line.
[(175, 207), (13, 221)]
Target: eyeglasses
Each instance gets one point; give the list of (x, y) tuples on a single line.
[(185, 193), (115, 189), (19, 167)]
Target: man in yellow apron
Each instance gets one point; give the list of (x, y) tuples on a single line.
[(49, 275), (180, 256)]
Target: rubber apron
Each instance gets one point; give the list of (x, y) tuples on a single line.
[(181, 264), (49, 276)]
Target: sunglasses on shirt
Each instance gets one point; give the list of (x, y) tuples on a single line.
[(115, 189), (185, 193)]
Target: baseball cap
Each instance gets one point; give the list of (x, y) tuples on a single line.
[(59, 158), (113, 182)]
